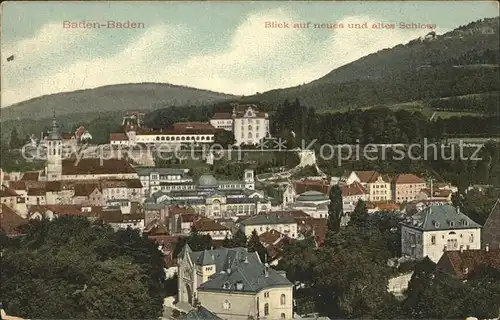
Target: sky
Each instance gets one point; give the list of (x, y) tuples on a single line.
[(219, 46)]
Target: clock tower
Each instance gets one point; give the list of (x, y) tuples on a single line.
[(54, 141)]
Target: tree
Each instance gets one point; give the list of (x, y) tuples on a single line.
[(15, 142), (240, 239), (359, 217), (335, 209), (254, 245), (72, 268), (224, 138), (196, 241)]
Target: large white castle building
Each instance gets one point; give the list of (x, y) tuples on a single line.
[(248, 124)]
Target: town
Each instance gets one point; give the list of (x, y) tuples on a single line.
[(219, 161), (227, 243)]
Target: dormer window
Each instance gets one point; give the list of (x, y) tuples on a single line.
[(465, 223)]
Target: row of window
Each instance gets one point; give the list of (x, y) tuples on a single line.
[(452, 243), (184, 138)]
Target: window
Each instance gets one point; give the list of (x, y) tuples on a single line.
[(452, 244), (266, 309), (266, 294), (433, 239), (226, 305), (471, 238), (283, 316), (283, 299)]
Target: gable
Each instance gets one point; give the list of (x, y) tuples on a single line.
[(491, 229)]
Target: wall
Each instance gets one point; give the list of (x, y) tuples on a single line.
[(398, 285)]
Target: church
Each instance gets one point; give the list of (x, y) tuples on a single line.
[(61, 167)]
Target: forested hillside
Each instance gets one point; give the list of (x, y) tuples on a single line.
[(461, 62)]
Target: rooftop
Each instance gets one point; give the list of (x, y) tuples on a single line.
[(462, 263), (236, 270), (407, 178), (491, 230), (440, 217)]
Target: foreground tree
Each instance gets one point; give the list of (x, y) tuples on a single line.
[(254, 245), (71, 268), (335, 209)]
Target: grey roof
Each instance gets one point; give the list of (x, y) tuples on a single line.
[(144, 171), (262, 219), (185, 250), (440, 217), (312, 196), (238, 270), (206, 258), (207, 181), (201, 313), (54, 133), (491, 230)]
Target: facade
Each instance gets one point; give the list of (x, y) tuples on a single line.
[(164, 179), (437, 229), (377, 185), (248, 125), (179, 133), (406, 187), (268, 221), (216, 199), (234, 284), (435, 194)]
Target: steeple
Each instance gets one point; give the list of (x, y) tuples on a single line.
[(54, 133)]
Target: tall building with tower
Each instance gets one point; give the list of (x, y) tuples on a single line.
[(54, 143)]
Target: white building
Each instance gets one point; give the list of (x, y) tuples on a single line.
[(178, 133), (377, 185), (314, 203), (164, 179), (248, 125), (436, 229)]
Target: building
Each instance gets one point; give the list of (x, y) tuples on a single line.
[(178, 133), (351, 194), (377, 185), (460, 264), (248, 125), (314, 203), (233, 284), (406, 187), (261, 223), (435, 194), (437, 229), (491, 228), (214, 198), (164, 179)]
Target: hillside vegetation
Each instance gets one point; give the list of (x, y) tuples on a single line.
[(120, 97), (461, 62)]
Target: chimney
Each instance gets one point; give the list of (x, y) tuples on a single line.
[(228, 266), (487, 247), (266, 270), (444, 248), (461, 249)]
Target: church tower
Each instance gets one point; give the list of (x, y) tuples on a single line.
[(53, 167)]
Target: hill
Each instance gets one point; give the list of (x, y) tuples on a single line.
[(113, 98), (460, 62)]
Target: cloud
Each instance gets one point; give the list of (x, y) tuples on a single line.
[(255, 59)]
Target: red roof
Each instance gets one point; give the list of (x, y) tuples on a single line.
[(353, 189), (10, 221), (31, 176), (80, 131), (302, 186), (407, 178), (118, 136), (18, 185), (6, 191), (460, 264)]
